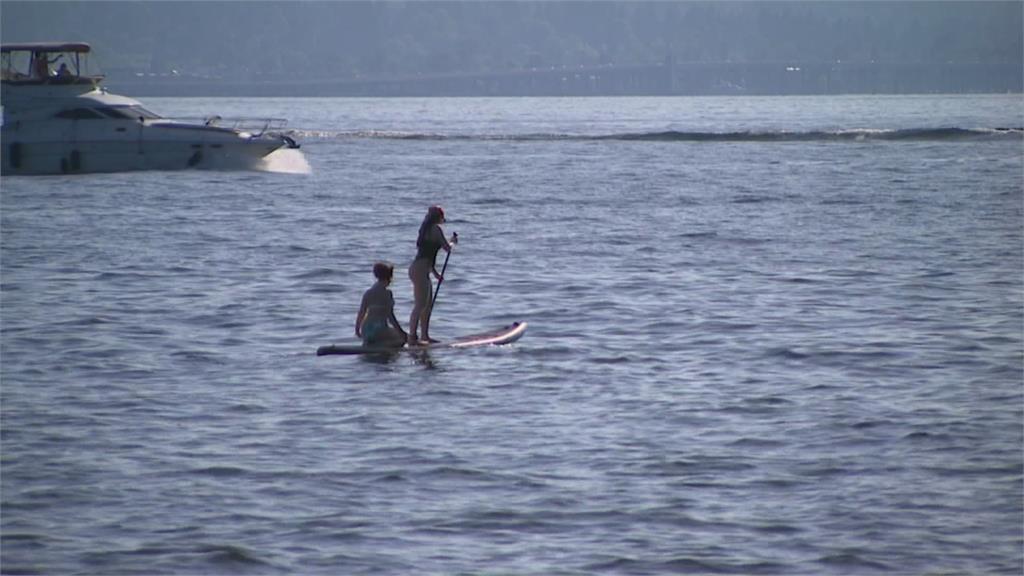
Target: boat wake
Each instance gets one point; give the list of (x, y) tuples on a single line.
[(286, 161), (845, 135)]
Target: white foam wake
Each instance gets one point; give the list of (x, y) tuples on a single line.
[(286, 161)]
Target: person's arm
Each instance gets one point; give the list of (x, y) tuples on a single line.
[(394, 322), (361, 316), (439, 235), (448, 244), (391, 315)]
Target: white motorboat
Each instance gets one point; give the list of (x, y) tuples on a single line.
[(57, 119)]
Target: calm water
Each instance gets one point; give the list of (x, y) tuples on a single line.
[(767, 336)]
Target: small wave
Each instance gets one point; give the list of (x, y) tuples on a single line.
[(853, 561), (108, 276), (316, 273), (325, 289), (22, 537), (859, 134), (786, 353), (230, 555), (697, 235), (1011, 470), (841, 135), (754, 199), (611, 360), (220, 556), (922, 436), (220, 471), (756, 443), (89, 321), (684, 565), (456, 473), (197, 356)]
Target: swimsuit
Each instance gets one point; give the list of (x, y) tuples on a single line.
[(373, 328), (426, 246)]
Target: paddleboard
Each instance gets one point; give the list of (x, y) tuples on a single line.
[(503, 335)]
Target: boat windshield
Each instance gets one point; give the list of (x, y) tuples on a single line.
[(104, 112), (128, 112), (46, 65)]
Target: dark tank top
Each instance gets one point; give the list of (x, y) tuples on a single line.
[(426, 246)]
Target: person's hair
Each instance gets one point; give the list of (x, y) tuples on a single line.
[(435, 215), (383, 270)]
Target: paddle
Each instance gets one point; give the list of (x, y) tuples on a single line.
[(455, 240)]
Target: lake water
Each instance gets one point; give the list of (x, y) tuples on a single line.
[(766, 336)]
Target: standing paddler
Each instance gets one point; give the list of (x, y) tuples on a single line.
[(430, 241)]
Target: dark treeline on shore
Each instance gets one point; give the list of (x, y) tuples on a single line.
[(426, 47)]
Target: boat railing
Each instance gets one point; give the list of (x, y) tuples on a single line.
[(257, 126), (18, 79)]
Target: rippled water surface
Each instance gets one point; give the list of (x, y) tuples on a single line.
[(766, 336)]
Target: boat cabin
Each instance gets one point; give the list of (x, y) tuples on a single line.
[(47, 63)]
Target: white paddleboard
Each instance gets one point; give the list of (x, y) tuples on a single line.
[(503, 335)]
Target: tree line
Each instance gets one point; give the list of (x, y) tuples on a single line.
[(360, 39)]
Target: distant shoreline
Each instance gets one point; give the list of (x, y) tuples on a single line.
[(663, 79)]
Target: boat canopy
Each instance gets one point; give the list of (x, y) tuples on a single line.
[(76, 47), (49, 63)]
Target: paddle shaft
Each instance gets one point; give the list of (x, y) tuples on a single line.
[(455, 238)]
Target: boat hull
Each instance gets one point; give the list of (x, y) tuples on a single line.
[(107, 155)]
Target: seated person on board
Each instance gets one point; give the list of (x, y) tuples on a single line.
[(41, 65), (376, 323)]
